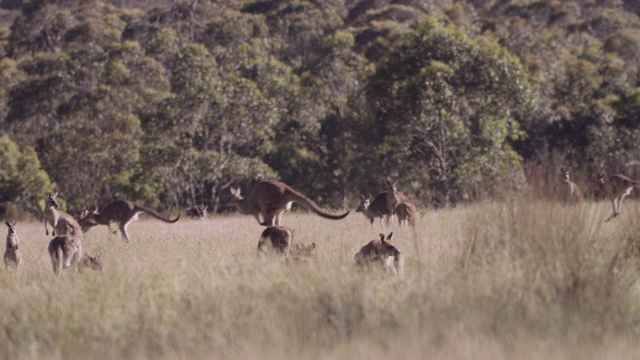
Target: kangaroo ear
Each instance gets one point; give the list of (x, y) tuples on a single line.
[(561, 169), (390, 236), (6, 222), (381, 237), (312, 246), (362, 197), (98, 256)]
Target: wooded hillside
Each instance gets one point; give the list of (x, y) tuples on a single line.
[(169, 102)]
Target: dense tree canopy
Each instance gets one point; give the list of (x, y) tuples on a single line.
[(169, 102)]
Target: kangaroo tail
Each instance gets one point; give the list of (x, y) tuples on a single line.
[(312, 206), (156, 214)]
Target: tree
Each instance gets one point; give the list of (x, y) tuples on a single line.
[(23, 183), (215, 128), (446, 109)]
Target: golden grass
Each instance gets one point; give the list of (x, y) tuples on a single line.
[(525, 280)]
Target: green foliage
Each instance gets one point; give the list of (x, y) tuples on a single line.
[(448, 107), (450, 97), (22, 181)]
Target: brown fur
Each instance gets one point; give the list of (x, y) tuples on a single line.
[(198, 212), (276, 238), (12, 256), (67, 251), (121, 212), (616, 188), (407, 213), (380, 251), (270, 199), (571, 191), (394, 198), (375, 209), (281, 240), (61, 222)]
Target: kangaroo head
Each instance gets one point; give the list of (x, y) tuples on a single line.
[(565, 173), (364, 203), (393, 185), (386, 248), (94, 263), (51, 200), (12, 227), (235, 196), (90, 219), (309, 250), (601, 178)]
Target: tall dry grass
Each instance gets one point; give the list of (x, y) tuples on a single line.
[(489, 281)]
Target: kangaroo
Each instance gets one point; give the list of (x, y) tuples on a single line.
[(281, 240), (121, 212), (406, 212), (616, 188), (300, 253), (12, 256), (375, 209), (197, 212), (66, 251), (394, 197), (571, 192), (381, 251), (278, 238), (61, 222), (271, 199)]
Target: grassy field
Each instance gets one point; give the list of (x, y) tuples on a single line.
[(527, 280)]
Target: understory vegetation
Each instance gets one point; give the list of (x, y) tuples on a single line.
[(526, 279)]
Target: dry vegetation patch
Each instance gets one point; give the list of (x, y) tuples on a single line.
[(493, 280)]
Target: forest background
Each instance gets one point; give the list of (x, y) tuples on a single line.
[(169, 102)]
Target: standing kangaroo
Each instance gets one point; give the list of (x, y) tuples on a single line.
[(571, 191), (406, 213), (381, 251), (394, 197), (375, 209), (616, 188), (121, 212), (61, 222), (271, 199), (66, 251), (12, 256)]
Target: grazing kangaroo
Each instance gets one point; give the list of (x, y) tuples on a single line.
[(571, 191), (375, 209), (196, 211), (66, 251), (271, 199), (278, 238), (394, 197), (616, 188), (281, 240), (406, 213), (381, 251), (12, 256), (121, 212), (61, 222)]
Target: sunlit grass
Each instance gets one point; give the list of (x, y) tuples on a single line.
[(489, 281)]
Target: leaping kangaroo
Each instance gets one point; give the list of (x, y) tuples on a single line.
[(271, 199)]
